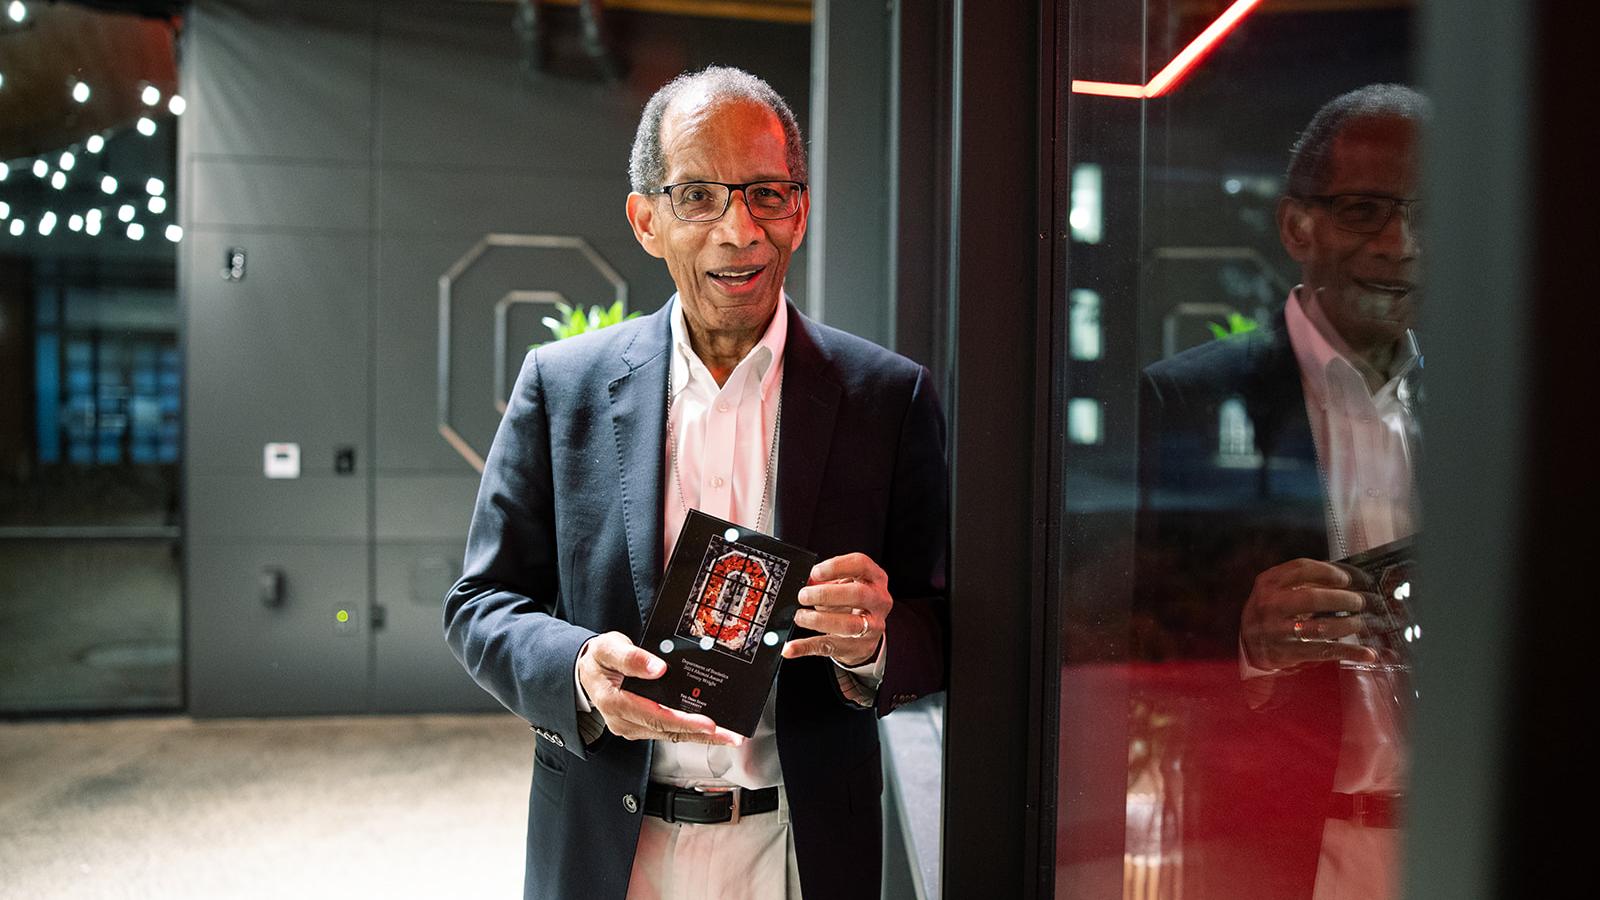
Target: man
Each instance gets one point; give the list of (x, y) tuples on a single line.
[(1298, 766), (730, 401)]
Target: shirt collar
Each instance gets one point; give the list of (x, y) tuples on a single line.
[(687, 367), (1321, 352)]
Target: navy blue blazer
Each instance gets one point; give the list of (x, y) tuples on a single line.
[(1257, 781), (566, 543)]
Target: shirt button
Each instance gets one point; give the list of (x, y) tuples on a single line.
[(722, 406), (630, 803), (716, 481), (1372, 492)]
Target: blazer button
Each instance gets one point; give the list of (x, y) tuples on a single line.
[(630, 803), (556, 739)]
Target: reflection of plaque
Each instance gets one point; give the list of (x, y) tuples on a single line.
[(725, 607), (1392, 568)]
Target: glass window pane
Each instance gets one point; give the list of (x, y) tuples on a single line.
[(1240, 387)]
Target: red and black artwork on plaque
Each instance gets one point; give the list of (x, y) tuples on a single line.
[(732, 598)]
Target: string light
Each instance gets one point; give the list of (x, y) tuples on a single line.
[(75, 223), (174, 233), (92, 227), (146, 126), (150, 95), (67, 161), (158, 205), (80, 92), (108, 184), (40, 168), (125, 212), (176, 105), (135, 231), (17, 11), (17, 227), (154, 187), (95, 144), (47, 223), (5, 170), (58, 180), (5, 210)]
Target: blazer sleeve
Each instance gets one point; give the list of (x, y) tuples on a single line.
[(500, 618), (916, 551)]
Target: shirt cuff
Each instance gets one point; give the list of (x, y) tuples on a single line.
[(591, 725), (859, 684), (584, 706)]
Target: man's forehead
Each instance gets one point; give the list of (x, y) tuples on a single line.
[(699, 123), (1368, 148)]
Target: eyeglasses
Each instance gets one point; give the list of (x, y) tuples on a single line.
[(706, 201), (1367, 213)]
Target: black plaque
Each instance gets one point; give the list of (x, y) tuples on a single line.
[(724, 610)]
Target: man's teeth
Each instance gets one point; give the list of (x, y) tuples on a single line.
[(736, 273)]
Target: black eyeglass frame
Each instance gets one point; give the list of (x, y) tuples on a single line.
[(1404, 204), (727, 201)]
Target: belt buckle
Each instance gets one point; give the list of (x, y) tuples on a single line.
[(1361, 809), (733, 803)]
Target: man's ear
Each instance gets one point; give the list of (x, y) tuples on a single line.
[(1295, 228), (642, 216)]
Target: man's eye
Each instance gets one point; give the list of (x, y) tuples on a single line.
[(696, 194), (1362, 211)]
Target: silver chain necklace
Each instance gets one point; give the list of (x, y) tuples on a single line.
[(766, 476)]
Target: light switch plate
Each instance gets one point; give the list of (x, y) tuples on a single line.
[(281, 461)]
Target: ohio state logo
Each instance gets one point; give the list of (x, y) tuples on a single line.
[(732, 599)]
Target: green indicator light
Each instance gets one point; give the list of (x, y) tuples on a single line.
[(343, 616)]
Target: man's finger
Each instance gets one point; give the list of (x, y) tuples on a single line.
[(1304, 571), (843, 623), (628, 659), (637, 718), (1318, 600), (851, 565), (829, 645), (845, 595)]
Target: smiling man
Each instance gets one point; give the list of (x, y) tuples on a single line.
[(730, 401), (1299, 765)]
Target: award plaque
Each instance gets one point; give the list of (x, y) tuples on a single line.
[(725, 608), (1391, 568)]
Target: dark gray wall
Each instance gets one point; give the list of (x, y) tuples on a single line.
[(356, 151)]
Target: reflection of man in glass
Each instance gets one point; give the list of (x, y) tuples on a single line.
[(1328, 391)]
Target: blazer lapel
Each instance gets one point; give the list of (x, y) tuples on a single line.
[(810, 405), (638, 418)]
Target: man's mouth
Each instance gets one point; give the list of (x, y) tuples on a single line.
[(1393, 287), (735, 276)]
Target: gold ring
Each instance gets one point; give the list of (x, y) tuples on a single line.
[(866, 623)]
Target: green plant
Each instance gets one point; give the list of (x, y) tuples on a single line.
[(1237, 325), (574, 320)]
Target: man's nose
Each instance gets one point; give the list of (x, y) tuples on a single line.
[(737, 226), (1399, 237)]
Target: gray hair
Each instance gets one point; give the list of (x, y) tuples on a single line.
[(647, 164), (1310, 161)]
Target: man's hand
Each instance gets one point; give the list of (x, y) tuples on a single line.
[(603, 663), (849, 603), (1299, 610)]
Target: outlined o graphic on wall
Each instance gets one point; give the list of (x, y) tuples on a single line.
[(463, 371)]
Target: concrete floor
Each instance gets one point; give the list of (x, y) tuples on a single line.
[(391, 807)]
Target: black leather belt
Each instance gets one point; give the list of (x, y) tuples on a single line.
[(676, 804), (1368, 809)]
